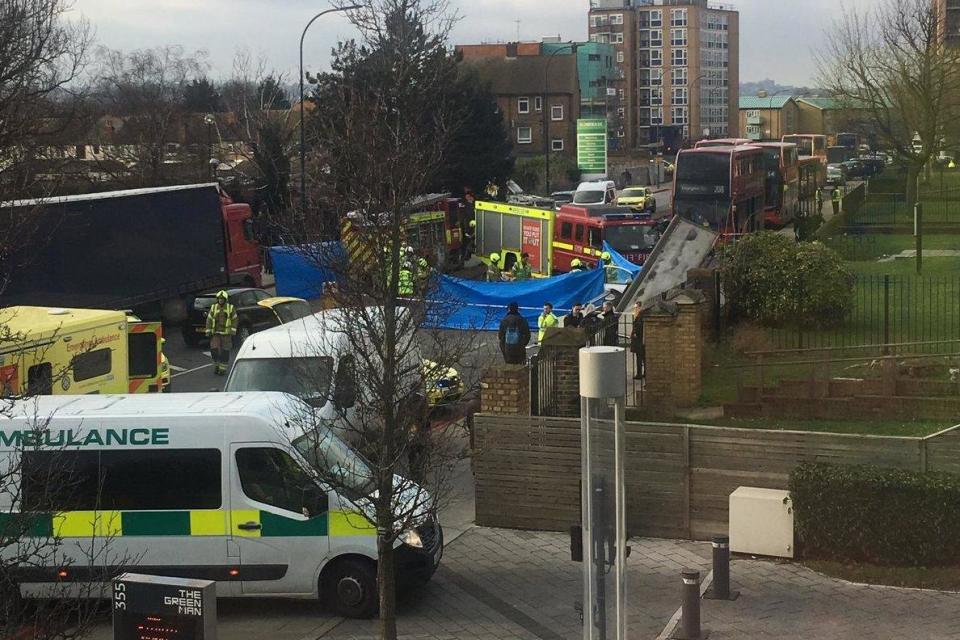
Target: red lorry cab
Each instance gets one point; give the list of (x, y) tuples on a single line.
[(580, 230), (243, 251)]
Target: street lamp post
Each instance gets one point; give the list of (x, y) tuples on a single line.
[(546, 109), (303, 160)]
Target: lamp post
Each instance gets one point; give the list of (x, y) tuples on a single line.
[(547, 111), (209, 120), (303, 160)]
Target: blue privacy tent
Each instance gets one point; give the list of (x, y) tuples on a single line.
[(300, 271), (472, 305)]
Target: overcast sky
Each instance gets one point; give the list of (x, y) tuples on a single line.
[(776, 36)]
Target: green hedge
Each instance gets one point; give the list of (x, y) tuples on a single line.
[(876, 515)]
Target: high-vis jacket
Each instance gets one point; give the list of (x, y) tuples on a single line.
[(544, 322), (222, 320)]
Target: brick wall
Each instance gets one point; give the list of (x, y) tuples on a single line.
[(505, 389), (674, 354)]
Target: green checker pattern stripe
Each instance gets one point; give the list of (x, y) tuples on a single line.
[(162, 523)]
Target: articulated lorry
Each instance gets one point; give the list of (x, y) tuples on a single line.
[(143, 249)]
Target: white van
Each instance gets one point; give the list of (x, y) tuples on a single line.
[(313, 359), (599, 192), (215, 486)]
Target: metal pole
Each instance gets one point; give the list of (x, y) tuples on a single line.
[(721, 570), (917, 226), (690, 610), (303, 158)]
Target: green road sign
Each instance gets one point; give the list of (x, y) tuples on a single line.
[(592, 145)]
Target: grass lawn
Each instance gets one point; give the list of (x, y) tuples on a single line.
[(941, 578), (867, 247)]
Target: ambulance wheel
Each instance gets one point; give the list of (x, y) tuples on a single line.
[(350, 588)]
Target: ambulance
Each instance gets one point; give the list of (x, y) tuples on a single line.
[(214, 486), (54, 351)]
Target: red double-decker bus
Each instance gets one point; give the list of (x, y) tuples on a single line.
[(721, 187), (722, 142), (808, 144), (782, 197)]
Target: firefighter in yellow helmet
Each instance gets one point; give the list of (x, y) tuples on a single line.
[(493, 269), (221, 327), (605, 259), (576, 265)]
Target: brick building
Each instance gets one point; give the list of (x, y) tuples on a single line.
[(769, 117), (949, 11), (532, 81), (679, 67)]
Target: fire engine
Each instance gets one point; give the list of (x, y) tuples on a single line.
[(434, 227), (553, 239)]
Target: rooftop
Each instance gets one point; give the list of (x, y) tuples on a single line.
[(767, 102)]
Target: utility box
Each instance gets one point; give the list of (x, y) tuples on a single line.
[(761, 522), (161, 608)]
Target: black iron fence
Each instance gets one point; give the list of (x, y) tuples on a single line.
[(544, 379), (892, 209), (888, 309)]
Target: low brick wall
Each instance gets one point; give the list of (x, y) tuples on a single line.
[(506, 390)]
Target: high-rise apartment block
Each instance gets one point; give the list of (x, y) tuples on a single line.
[(949, 11), (678, 68)]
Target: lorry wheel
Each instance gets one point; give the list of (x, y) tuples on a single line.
[(350, 588), (243, 332)]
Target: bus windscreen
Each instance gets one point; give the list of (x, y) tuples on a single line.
[(804, 144), (702, 193)]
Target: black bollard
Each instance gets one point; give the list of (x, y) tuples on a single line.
[(690, 614), (720, 590)]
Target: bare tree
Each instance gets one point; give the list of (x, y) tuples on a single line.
[(381, 127), (145, 93), (263, 125), (891, 64)]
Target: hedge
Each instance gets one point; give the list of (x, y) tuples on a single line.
[(876, 515)]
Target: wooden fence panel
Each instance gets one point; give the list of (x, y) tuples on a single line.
[(678, 477)]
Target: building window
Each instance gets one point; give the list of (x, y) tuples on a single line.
[(656, 116), (617, 38), (616, 18), (620, 56), (524, 135), (679, 96), (621, 93), (678, 37), (523, 105), (679, 77), (556, 144), (678, 17), (556, 112), (656, 77), (678, 57), (656, 38), (538, 103), (679, 115), (656, 18), (656, 57), (656, 97)]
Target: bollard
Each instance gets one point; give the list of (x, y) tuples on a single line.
[(690, 610), (720, 590)]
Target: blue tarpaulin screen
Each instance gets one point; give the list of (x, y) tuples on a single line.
[(469, 304), (618, 260), (300, 271)]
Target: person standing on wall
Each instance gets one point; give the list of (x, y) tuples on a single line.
[(221, 327), (836, 199)]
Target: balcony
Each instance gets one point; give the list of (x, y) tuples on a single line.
[(757, 120)]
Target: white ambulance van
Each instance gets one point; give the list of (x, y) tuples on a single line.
[(216, 486)]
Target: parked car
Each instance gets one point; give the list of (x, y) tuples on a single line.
[(855, 168), (836, 175), (256, 310), (640, 199)]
